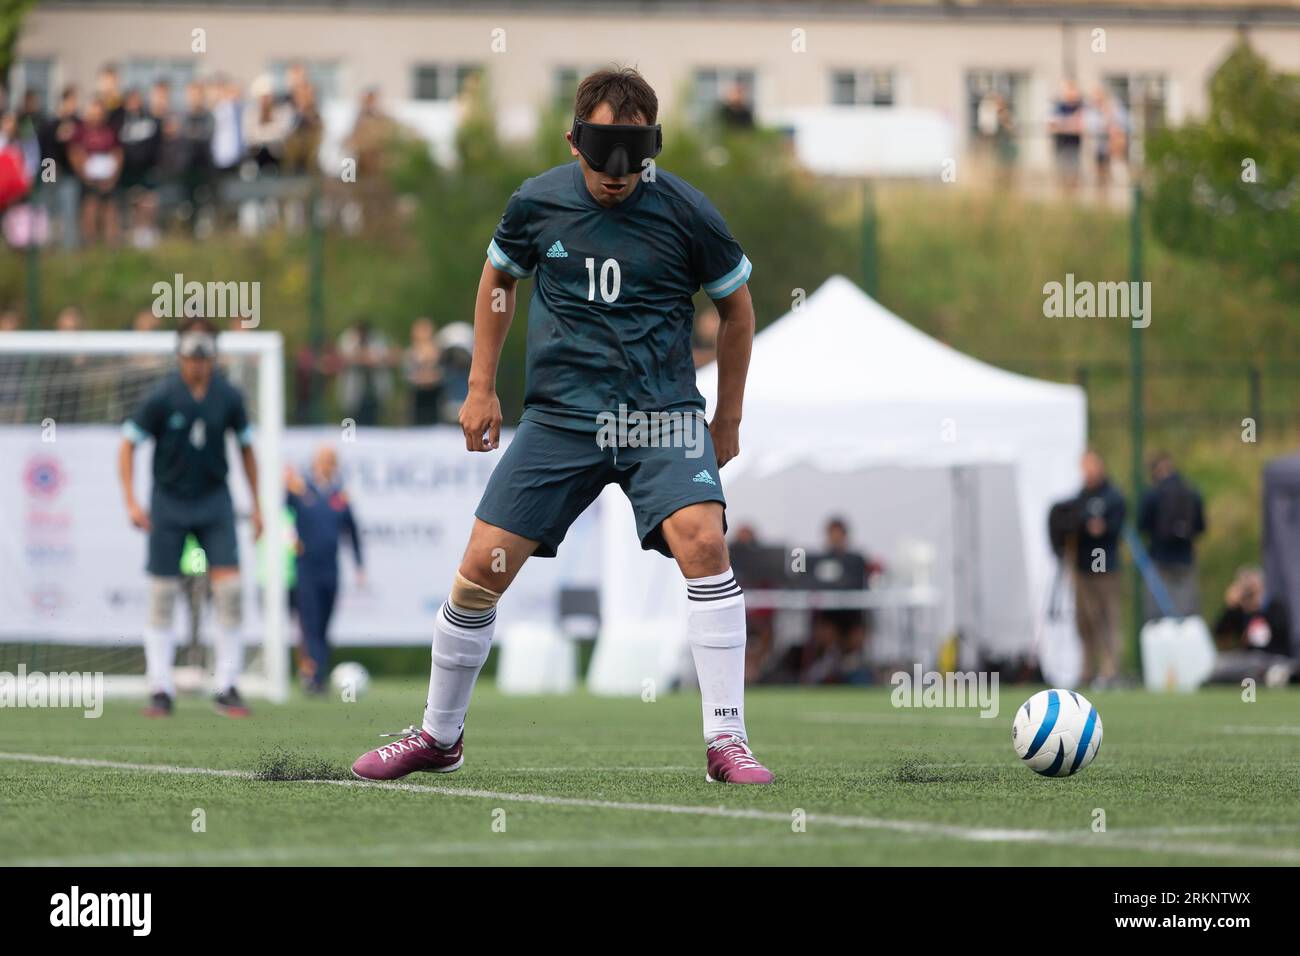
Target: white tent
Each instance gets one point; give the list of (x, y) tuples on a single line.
[(851, 411)]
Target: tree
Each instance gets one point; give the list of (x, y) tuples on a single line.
[(1228, 188), (12, 13)]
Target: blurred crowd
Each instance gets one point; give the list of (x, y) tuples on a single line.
[(1090, 136), (370, 379), (376, 381), (115, 164)]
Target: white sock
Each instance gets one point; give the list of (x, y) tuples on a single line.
[(228, 645), (715, 625), (461, 641), (159, 652)]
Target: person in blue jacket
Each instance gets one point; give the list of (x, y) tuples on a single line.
[(323, 516)]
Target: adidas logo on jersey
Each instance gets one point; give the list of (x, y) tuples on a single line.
[(704, 478), (556, 251)]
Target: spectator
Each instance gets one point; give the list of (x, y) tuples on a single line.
[(1171, 515), (302, 145), (31, 118), (24, 223), (1066, 126), (998, 129), (141, 137), (836, 652), (456, 339), (145, 321), (56, 135), (371, 134), (1253, 634), (15, 176), (173, 153), (193, 154), (365, 379), (109, 93), (735, 111), (295, 77), (323, 517), (704, 337), (1096, 571), (31, 112), (1107, 127), (97, 159), (227, 128), (422, 368), (267, 124)]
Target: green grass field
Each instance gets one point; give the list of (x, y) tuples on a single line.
[(1206, 779)]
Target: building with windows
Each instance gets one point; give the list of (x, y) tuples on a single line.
[(945, 59)]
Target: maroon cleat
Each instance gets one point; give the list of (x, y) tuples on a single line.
[(414, 750), (160, 705), (230, 704), (731, 761)]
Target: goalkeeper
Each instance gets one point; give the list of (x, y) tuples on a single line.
[(187, 416)]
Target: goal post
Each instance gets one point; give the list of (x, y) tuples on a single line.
[(72, 580)]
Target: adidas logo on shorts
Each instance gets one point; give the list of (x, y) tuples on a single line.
[(705, 478), (556, 251)]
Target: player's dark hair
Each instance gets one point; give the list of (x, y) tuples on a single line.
[(626, 92)]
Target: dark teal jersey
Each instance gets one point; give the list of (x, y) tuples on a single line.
[(189, 452), (610, 318)]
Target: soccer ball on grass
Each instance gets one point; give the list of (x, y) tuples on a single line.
[(1056, 732)]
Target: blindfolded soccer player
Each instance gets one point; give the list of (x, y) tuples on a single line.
[(187, 417), (616, 249)]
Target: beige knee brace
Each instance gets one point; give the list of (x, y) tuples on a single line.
[(228, 602), (472, 597), (162, 601)]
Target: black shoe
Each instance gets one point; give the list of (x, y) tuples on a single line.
[(160, 705), (230, 704)]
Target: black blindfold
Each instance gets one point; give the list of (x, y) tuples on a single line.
[(616, 149)]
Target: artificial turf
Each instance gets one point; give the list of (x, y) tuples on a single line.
[(1198, 779)]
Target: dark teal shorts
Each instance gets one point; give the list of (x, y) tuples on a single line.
[(210, 518), (548, 476)]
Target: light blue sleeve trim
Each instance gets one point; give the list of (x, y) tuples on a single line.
[(732, 281), (245, 435), (504, 262), (133, 432)]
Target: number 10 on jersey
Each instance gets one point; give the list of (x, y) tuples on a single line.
[(610, 278)]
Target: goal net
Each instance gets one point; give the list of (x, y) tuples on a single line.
[(74, 595)]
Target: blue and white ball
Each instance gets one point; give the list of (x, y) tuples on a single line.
[(1056, 732)]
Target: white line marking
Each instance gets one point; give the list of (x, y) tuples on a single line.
[(118, 765), (691, 768), (1266, 731), (1210, 829), (924, 828)]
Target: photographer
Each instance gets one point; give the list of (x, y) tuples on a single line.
[(1252, 634), (1097, 584)]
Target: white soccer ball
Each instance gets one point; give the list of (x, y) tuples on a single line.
[(350, 678), (1056, 732)]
